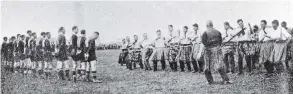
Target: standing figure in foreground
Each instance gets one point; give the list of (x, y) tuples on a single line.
[(244, 41), (62, 65), (128, 56), (228, 48), (92, 58), (146, 51), (40, 54), (135, 54), (123, 53), (278, 55), (212, 40), (168, 46), (74, 51), (196, 54), (81, 45), (16, 55), (158, 54), (32, 53), (174, 50), (28, 63), (185, 51), (21, 54), (4, 52), (48, 54), (10, 49)]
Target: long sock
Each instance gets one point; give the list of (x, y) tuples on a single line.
[(94, 74), (67, 74), (61, 74), (208, 76), (88, 75), (175, 66), (181, 65)]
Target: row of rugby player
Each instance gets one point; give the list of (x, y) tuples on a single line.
[(36, 55), (260, 47)]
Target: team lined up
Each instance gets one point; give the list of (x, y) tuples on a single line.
[(37, 55), (267, 46)]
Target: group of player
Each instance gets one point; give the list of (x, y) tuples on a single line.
[(264, 46), (41, 56)]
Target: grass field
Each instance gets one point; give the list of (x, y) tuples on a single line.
[(117, 79)]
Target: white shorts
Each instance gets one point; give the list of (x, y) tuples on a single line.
[(40, 65), (48, 65), (62, 65), (16, 64), (27, 63), (93, 65), (82, 65), (34, 65)]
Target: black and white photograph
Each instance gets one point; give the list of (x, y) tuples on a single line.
[(146, 47)]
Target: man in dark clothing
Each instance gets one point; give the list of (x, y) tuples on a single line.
[(73, 51), (212, 40), (92, 58), (4, 52)]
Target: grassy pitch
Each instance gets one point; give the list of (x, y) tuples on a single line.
[(117, 79)]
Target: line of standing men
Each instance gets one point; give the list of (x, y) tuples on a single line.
[(211, 50), (35, 55)]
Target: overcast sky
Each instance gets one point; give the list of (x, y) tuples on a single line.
[(116, 19)]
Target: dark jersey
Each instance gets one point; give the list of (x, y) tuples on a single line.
[(74, 41), (4, 48), (10, 49), (62, 54), (32, 44), (15, 46), (211, 38), (27, 42), (91, 50), (21, 47), (73, 46), (82, 45), (47, 46)]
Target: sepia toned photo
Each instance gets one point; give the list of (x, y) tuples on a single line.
[(146, 47)]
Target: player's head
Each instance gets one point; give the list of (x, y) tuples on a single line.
[(47, 35), (145, 35), (13, 38), (82, 32), (128, 39), (284, 24), (5, 39), (209, 24), (75, 29), (170, 28), (18, 36), (240, 23), (29, 32), (275, 24), (96, 35), (123, 41), (255, 28), (43, 34), (34, 34), (135, 37), (185, 29), (22, 37), (226, 25), (195, 26), (159, 33), (61, 31), (263, 24)]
